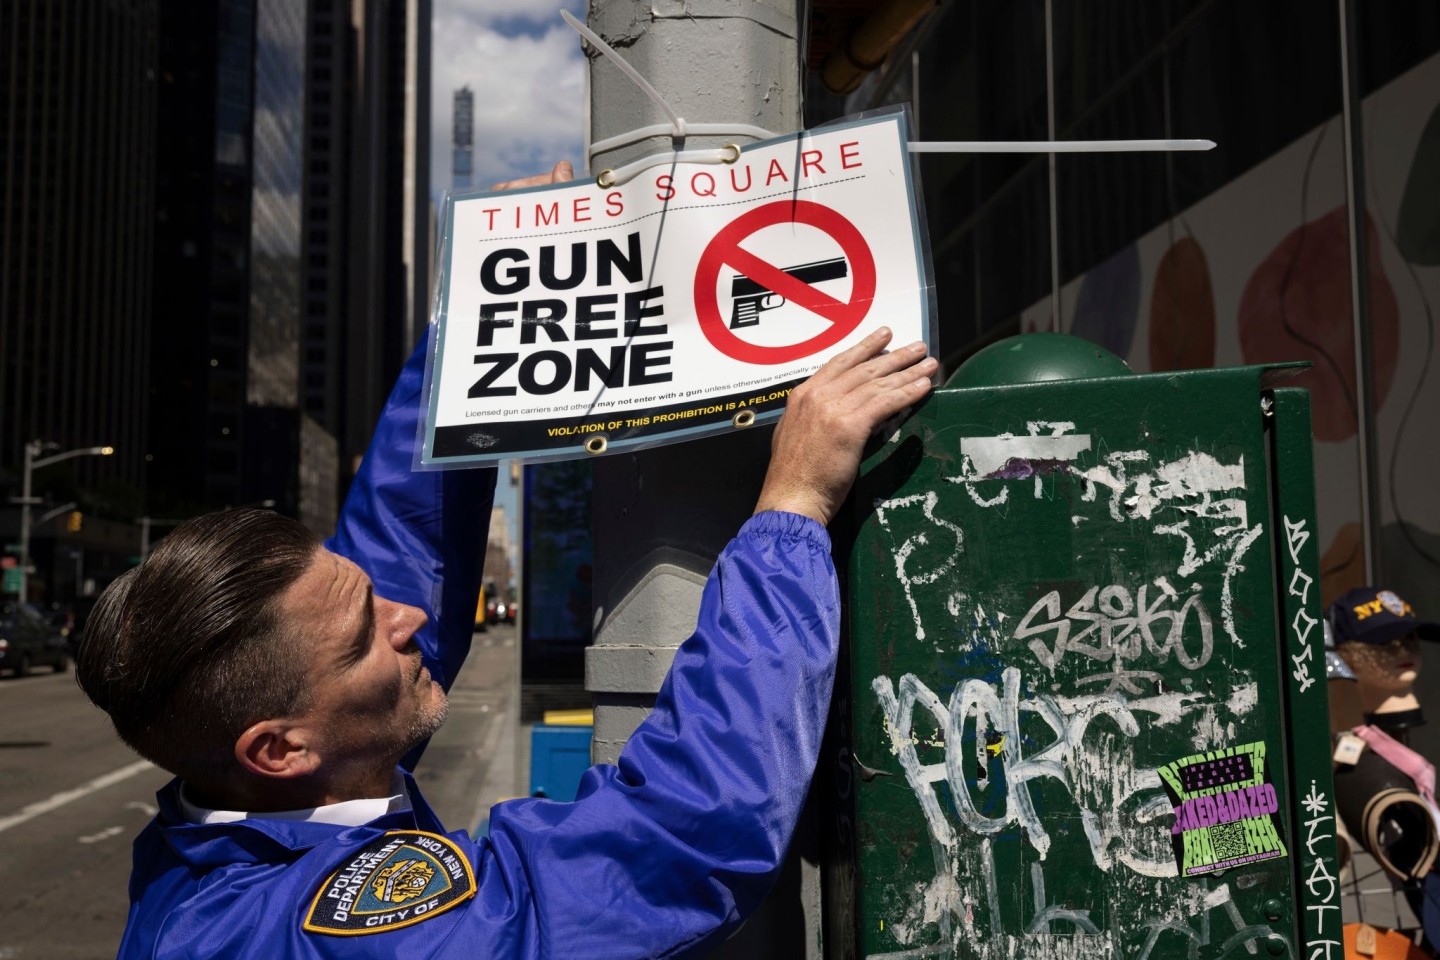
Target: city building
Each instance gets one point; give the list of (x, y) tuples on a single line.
[(1306, 234), (368, 235), (288, 231), (77, 181), (330, 61), (499, 569), (227, 427), (462, 124), (214, 257), (389, 232), (1310, 233)]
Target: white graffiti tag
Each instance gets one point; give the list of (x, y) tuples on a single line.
[(1200, 901), (1110, 626), (1120, 805), (1321, 883), (1301, 625), (1099, 775), (904, 553)]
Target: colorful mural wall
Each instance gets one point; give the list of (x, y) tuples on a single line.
[(1196, 292)]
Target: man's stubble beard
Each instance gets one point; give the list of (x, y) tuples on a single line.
[(428, 721)]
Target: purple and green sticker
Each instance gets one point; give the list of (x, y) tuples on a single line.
[(1225, 809)]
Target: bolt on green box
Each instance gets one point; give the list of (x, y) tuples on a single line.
[(1084, 710)]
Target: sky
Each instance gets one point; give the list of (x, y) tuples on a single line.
[(523, 64)]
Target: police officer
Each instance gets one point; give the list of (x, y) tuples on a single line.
[(288, 684)]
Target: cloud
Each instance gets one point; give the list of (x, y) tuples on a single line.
[(525, 68), (485, 11)]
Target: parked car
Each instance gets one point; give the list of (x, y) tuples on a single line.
[(28, 639), (60, 615), (499, 611)]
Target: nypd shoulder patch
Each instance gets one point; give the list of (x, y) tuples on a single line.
[(401, 878)]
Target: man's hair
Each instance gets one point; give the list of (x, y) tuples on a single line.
[(187, 651)]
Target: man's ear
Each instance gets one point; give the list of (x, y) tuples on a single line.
[(275, 748)]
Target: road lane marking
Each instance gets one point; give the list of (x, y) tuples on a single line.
[(489, 749), (43, 807), (13, 683), (102, 835)]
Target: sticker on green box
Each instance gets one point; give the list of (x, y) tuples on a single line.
[(1225, 809)]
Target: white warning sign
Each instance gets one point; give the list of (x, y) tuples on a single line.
[(576, 319)]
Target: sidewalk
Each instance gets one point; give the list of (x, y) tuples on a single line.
[(482, 754)]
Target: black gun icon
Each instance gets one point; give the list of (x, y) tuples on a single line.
[(752, 299)]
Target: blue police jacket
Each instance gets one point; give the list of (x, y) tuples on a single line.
[(660, 855)]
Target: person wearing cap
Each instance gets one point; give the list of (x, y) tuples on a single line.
[(1384, 790), (1378, 635)]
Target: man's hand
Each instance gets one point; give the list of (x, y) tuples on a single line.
[(816, 449), (560, 174)]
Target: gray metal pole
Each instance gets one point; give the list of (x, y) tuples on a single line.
[(661, 517), (31, 449), (1367, 441)]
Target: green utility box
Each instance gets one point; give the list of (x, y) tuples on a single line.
[(1084, 710)]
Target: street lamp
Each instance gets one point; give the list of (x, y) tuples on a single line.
[(33, 462)]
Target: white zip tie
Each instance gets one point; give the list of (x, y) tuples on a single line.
[(677, 123), (621, 175), (1057, 146), (730, 152), (695, 129), (678, 129)]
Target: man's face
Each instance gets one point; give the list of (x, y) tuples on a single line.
[(370, 695)]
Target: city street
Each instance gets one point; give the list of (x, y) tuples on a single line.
[(72, 797)]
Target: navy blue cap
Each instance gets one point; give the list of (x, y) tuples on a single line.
[(1374, 615)]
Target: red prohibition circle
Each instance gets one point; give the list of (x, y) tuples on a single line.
[(725, 248)]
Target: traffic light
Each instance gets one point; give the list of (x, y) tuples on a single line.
[(74, 521)]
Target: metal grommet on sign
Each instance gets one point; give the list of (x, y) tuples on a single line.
[(596, 445), (606, 179), (734, 153), (743, 419)]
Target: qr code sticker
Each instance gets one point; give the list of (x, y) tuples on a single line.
[(1228, 841)]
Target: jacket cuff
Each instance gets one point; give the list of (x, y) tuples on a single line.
[(778, 523)]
